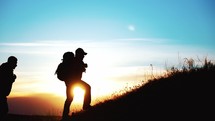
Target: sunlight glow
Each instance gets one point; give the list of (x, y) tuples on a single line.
[(78, 94)]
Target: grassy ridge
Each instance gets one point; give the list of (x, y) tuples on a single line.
[(181, 94)]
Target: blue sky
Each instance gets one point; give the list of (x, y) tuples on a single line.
[(122, 37), (179, 24), (185, 22)]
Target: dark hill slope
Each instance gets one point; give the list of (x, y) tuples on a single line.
[(180, 96)]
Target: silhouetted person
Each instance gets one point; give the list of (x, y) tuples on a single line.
[(75, 67), (65, 73), (80, 67), (7, 78)]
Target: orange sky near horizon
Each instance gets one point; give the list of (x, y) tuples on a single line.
[(44, 103)]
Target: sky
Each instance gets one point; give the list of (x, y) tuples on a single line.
[(122, 39)]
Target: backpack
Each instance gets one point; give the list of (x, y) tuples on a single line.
[(62, 72)]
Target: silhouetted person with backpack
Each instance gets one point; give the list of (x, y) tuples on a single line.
[(73, 67), (80, 67), (7, 78)]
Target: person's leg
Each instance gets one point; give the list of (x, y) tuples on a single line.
[(69, 98), (87, 96), (3, 108)]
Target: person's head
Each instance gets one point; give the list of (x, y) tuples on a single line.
[(68, 56), (80, 53), (12, 60)]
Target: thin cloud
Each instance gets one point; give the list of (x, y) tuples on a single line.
[(47, 43), (157, 40), (38, 44), (71, 43), (43, 47)]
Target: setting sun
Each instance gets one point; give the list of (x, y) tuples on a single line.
[(78, 94)]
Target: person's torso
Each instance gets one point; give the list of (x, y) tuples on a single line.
[(6, 79)]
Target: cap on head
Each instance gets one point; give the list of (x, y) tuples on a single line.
[(12, 59), (80, 51), (68, 55)]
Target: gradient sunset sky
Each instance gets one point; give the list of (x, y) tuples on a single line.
[(122, 38)]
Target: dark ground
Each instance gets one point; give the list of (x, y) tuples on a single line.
[(15, 117)]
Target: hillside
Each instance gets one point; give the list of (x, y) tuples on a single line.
[(181, 95)]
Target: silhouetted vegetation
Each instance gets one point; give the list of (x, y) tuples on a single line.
[(180, 94)]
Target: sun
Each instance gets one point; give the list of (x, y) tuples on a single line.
[(78, 93)]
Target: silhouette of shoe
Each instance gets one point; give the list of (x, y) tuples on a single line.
[(65, 119), (87, 107)]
